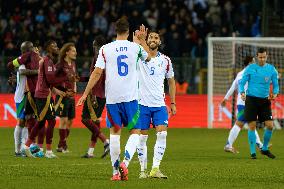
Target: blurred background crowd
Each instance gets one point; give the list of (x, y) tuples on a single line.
[(184, 26)]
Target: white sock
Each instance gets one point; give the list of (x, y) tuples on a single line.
[(24, 137), (142, 151), (159, 149), (91, 151), (130, 148), (234, 132), (17, 138), (114, 147), (258, 141)]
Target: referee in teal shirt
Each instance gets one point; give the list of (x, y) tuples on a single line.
[(259, 76)]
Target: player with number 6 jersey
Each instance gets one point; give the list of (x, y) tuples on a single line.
[(119, 59)]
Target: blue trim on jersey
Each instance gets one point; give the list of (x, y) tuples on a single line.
[(155, 115)]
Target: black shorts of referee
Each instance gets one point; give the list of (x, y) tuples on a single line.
[(257, 109)]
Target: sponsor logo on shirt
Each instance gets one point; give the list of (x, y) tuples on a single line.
[(266, 79), (49, 68)]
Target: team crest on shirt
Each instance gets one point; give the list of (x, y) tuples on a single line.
[(49, 68), (266, 79)]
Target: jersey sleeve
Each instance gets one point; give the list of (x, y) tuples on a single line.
[(232, 89), (22, 67), (142, 54), (101, 60), (244, 80), (169, 68), (23, 59)]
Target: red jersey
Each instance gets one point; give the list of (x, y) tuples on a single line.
[(47, 78), (70, 69), (99, 89), (30, 60)]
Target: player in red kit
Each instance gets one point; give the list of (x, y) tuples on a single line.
[(48, 78), (94, 105), (65, 106), (30, 58)]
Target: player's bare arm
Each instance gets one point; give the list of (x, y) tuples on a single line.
[(28, 72), (223, 103), (95, 76), (172, 92), (141, 36)]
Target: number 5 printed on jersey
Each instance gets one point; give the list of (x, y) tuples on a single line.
[(152, 70), (122, 66)]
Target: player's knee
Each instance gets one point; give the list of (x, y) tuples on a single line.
[(144, 132), (135, 131), (161, 128), (269, 125)]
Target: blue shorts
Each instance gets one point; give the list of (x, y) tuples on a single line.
[(241, 113), (20, 109), (155, 115), (124, 113)]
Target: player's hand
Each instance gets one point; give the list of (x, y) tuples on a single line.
[(173, 109), (12, 80), (135, 38), (142, 32), (71, 77), (272, 96), (70, 93), (243, 96), (81, 100), (60, 93), (223, 103)]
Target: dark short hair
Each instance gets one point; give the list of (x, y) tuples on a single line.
[(26, 46), (99, 41), (247, 60), (261, 50), (48, 43), (122, 25)]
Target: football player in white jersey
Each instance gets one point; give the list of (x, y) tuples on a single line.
[(119, 59), (152, 104), (21, 132), (234, 132)]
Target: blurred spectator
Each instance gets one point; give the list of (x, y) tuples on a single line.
[(182, 21)]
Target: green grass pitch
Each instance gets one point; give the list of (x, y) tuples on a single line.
[(194, 158)]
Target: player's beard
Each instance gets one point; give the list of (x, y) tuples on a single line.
[(153, 47)]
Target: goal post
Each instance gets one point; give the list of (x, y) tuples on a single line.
[(225, 59)]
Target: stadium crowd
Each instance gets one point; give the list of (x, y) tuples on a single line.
[(182, 23)]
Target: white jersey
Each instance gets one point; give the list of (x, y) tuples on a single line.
[(21, 84), (235, 86), (120, 59), (151, 80)]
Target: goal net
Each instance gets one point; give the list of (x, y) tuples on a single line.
[(225, 60)]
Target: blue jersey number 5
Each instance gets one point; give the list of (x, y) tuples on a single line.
[(152, 70), (122, 66)]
